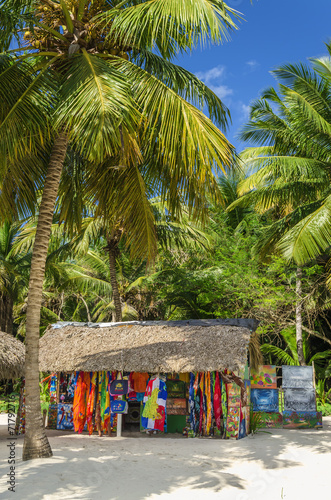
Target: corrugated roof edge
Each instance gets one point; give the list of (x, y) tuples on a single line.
[(250, 323)]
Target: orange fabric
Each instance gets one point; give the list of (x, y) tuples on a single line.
[(80, 400), (140, 381), (90, 403)]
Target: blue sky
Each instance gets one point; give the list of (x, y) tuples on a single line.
[(274, 32)]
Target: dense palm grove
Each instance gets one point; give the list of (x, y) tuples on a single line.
[(121, 200)]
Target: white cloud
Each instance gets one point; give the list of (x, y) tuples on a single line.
[(221, 91), (252, 64), (245, 111), (213, 78), (211, 74)]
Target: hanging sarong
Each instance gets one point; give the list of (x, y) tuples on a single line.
[(80, 401), (106, 414), (224, 402), (217, 401), (208, 404), (191, 402), (105, 400), (201, 419), (90, 403), (53, 389)]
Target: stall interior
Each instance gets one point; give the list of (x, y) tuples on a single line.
[(200, 404)]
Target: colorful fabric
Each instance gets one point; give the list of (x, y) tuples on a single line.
[(52, 389), (90, 402), (80, 400), (105, 400), (224, 401), (139, 381), (191, 402), (185, 377), (208, 404), (217, 401), (71, 386), (132, 395), (153, 416), (201, 389)]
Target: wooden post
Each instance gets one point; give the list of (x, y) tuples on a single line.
[(119, 423)]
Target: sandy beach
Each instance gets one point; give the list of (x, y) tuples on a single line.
[(285, 464)]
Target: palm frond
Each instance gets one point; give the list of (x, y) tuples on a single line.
[(309, 237), (185, 84), (168, 26), (95, 100)]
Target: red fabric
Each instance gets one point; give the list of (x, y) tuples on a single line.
[(217, 401)]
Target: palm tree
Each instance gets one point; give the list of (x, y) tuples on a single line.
[(289, 354), (13, 274), (290, 174), (107, 103)]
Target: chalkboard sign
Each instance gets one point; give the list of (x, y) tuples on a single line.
[(298, 377), (299, 399)]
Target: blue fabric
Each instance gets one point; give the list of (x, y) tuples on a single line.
[(191, 402)]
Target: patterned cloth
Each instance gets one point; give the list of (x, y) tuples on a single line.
[(139, 381), (191, 402), (80, 400), (208, 404), (90, 403), (153, 416), (217, 401)]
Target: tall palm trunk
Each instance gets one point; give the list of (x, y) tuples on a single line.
[(36, 444), (111, 248), (6, 313), (298, 317)]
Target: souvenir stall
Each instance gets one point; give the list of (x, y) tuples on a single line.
[(189, 377)]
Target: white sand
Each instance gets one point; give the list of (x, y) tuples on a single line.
[(288, 464)]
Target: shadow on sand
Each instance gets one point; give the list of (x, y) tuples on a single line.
[(105, 468)]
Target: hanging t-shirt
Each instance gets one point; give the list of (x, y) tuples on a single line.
[(153, 416), (139, 381)]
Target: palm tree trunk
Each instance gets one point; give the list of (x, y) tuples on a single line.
[(113, 281), (36, 444), (298, 317), (6, 314)]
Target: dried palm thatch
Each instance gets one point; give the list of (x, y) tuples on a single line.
[(255, 354), (180, 346), (12, 354)]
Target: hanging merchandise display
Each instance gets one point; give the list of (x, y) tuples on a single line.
[(82, 386), (90, 403), (209, 404), (119, 387), (139, 381), (153, 416), (119, 406), (217, 401), (53, 389)]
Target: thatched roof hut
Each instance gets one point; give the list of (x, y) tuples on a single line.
[(12, 354), (152, 346)]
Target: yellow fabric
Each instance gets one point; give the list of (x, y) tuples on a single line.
[(185, 377)]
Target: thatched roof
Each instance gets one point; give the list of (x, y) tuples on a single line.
[(173, 346), (12, 353)]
